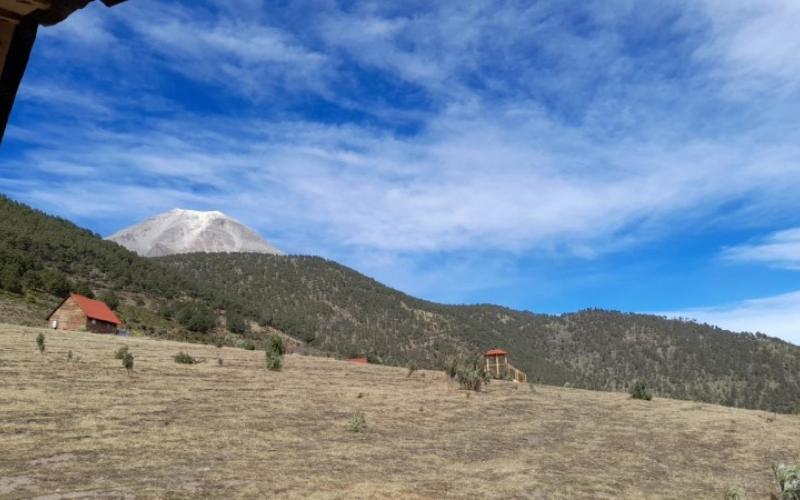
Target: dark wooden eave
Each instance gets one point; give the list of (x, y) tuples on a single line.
[(19, 23)]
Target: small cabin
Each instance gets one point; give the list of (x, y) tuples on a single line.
[(80, 313), (497, 366)]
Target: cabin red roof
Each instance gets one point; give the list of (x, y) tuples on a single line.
[(95, 309), (496, 352)]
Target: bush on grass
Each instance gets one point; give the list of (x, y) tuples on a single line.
[(120, 354), (788, 477), (127, 362), (184, 359), (471, 374), (274, 361), (40, 343), (640, 391)]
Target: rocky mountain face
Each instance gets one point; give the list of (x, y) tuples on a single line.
[(182, 231)]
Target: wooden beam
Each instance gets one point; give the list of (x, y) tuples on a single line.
[(23, 7), (7, 28)]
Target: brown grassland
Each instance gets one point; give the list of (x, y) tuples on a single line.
[(85, 429)]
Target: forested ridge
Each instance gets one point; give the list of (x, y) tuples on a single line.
[(340, 310), (43, 258), (235, 298)]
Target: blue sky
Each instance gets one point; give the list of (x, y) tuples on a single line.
[(534, 154)]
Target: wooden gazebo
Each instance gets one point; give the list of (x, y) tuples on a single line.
[(497, 366)]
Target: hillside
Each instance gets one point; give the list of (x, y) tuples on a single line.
[(234, 299), (83, 428), (43, 257), (339, 310)]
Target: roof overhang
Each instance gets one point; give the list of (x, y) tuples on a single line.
[(19, 22), (495, 352)]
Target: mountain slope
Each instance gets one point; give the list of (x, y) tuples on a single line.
[(42, 258), (222, 298), (337, 309), (186, 231)]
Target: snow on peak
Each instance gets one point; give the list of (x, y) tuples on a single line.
[(189, 231)]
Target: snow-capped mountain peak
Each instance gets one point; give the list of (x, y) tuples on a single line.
[(189, 231)]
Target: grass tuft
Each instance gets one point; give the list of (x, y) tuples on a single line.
[(735, 493), (788, 477), (357, 423)]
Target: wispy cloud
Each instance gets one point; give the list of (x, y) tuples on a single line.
[(780, 249), (777, 316), (390, 132), (248, 56), (757, 43)]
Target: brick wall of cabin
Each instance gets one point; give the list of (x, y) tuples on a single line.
[(70, 316)]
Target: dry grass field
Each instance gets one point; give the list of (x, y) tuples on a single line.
[(85, 429)]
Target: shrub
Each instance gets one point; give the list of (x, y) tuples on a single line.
[(219, 361), (412, 367), (788, 477), (735, 493), (111, 299), (10, 274), (471, 374), (640, 391), (127, 362), (166, 311), (249, 345), (83, 288), (196, 318), (451, 367), (40, 343), (357, 423), (184, 359), (275, 351), (235, 322), (274, 361), (120, 354), (276, 344), (55, 282)]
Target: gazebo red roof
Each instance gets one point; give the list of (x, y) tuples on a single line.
[(495, 352), (95, 309)]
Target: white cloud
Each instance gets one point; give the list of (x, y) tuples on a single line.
[(757, 41), (533, 136), (246, 55), (88, 28), (778, 316), (55, 96), (781, 249), (489, 178)]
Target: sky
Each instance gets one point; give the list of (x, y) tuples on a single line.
[(543, 155)]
